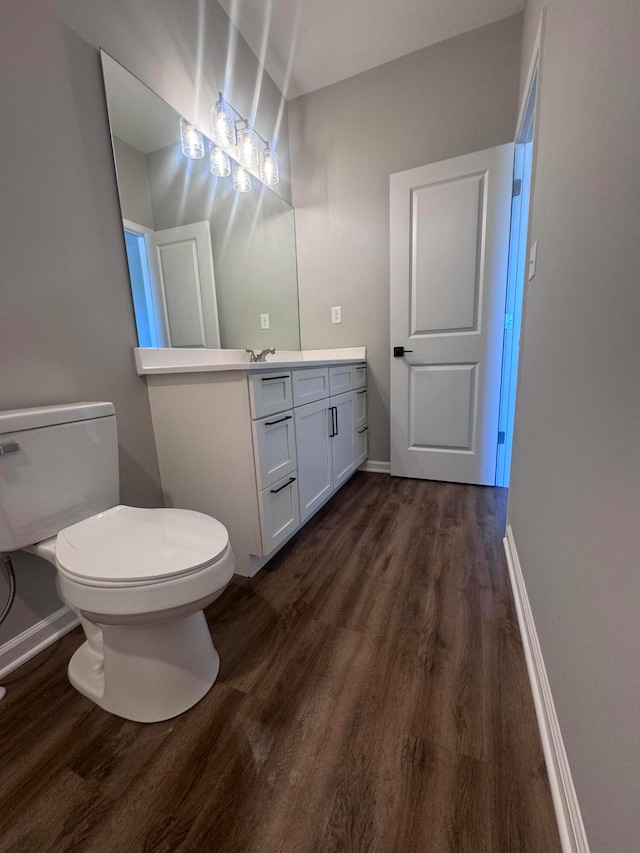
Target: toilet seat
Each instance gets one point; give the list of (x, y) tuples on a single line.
[(139, 547)]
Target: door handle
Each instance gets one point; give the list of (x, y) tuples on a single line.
[(335, 409), (398, 352)]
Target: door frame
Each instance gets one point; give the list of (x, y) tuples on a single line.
[(519, 241)]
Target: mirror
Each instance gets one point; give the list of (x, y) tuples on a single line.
[(209, 266)]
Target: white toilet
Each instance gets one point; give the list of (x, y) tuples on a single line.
[(137, 578)]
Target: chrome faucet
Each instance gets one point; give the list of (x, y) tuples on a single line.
[(261, 357)]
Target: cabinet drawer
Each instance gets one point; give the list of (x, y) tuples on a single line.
[(274, 448), (270, 393), (360, 408), (362, 444), (360, 376), (279, 512), (341, 378), (310, 385)]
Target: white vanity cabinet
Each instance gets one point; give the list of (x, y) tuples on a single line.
[(260, 450)]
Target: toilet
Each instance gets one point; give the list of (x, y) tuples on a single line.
[(138, 579)]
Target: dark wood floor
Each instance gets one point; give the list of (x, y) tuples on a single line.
[(373, 696)]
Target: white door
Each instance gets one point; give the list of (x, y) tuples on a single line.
[(449, 250), (181, 267)]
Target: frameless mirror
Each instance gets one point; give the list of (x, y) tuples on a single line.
[(209, 266)]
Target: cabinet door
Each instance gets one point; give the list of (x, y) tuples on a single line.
[(274, 448), (343, 453), (360, 415), (314, 456), (279, 512), (362, 444)]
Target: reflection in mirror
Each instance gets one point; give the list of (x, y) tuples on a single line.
[(209, 266)]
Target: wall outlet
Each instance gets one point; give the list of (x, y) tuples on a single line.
[(336, 314), (264, 321)]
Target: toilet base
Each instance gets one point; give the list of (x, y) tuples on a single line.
[(146, 673)]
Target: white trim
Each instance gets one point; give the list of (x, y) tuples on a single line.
[(534, 64), (26, 645), (375, 467), (129, 225), (572, 834)]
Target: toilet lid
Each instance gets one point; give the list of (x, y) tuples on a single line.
[(132, 544)]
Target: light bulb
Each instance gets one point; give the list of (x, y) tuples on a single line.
[(247, 152), (269, 166), (219, 162), (224, 130), (241, 179), (191, 139)]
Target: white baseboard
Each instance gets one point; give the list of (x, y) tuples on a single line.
[(26, 645), (572, 834), (376, 467)]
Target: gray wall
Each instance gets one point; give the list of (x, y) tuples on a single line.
[(66, 320), (449, 99), (575, 487), (133, 183)]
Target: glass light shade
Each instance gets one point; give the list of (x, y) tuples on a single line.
[(247, 151), (241, 179), (222, 125), (269, 166), (219, 162), (192, 141)]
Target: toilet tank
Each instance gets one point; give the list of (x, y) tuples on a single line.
[(58, 465)]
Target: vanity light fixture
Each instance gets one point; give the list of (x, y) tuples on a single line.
[(269, 172), (219, 163), (241, 179), (236, 147), (191, 139), (223, 124)]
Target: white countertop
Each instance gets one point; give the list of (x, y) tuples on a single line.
[(169, 360)]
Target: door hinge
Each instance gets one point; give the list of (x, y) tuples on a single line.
[(517, 187), (508, 321), (501, 437)]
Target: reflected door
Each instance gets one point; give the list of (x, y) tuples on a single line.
[(181, 269), (449, 250)]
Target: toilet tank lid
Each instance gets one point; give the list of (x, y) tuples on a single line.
[(15, 420)]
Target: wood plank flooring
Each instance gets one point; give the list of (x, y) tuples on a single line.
[(373, 696)]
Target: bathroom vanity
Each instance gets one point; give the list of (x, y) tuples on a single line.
[(261, 447)]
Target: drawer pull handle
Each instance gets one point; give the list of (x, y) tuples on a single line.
[(275, 491), (279, 421), (364, 429), (273, 378), (364, 391)]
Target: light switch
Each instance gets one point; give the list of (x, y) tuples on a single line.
[(336, 314), (264, 321), (533, 255)]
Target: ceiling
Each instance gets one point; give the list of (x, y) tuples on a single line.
[(308, 44)]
